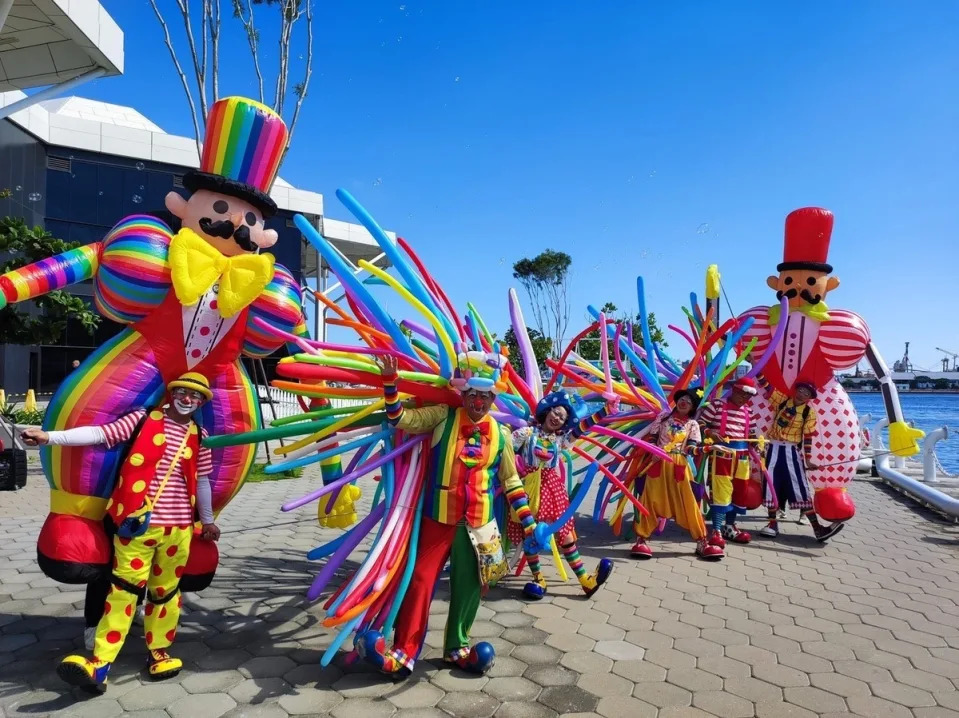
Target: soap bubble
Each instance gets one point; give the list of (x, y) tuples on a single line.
[(34, 196), (17, 188), (456, 79), (141, 186), (140, 165), (703, 228), (137, 199)]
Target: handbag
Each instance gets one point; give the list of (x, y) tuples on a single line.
[(137, 523), (490, 557)]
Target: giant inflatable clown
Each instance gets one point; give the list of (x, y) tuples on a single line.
[(190, 300), (816, 343)]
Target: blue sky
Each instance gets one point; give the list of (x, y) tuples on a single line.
[(641, 138)]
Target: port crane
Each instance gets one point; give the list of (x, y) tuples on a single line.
[(903, 364), (945, 359)]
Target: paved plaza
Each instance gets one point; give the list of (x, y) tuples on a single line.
[(868, 625)]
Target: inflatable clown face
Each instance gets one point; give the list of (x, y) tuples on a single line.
[(229, 200), (804, 274)]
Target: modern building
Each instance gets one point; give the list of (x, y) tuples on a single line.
[(76, 166), (56, 45)]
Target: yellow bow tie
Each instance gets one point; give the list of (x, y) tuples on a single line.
[(195, 266), (818, 312)]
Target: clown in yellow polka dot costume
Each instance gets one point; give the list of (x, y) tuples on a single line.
[(163, 486)]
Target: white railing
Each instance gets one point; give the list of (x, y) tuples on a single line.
[(286, 404)]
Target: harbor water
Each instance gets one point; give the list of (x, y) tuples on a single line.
[(927, 412)]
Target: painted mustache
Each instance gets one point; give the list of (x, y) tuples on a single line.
[(225, 229)]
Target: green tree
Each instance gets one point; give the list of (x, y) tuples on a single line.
[(589, 346), (23, 245), (546, 280), (542, 349)]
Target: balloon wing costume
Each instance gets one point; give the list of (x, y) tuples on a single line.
[(439, 358), (191, 301)]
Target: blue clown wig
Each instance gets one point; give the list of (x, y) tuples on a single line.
[(573, 403)]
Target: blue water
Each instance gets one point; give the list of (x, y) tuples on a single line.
[(928, 412)]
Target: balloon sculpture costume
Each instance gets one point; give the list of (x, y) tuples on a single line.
[(190, 301), (809, 341), (438, 468), (538, 456)]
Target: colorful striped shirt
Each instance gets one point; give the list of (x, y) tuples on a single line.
[(173, 508), (467, 461), (735, 424)]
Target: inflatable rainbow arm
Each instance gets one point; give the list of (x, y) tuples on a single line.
[(47, 275), (279, 306)]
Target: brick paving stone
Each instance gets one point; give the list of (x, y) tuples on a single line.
[(512, 689), (903, 694), (416, 695), (814, 699), (537, 654), (694, 679), (260, 690), (587, 662), (152, 696), (468, 705), (623, 707), (356, 707), (723, 704), (839, 684), (606, 684), (515, 709), (551, 676), (753, 689), (211, 681), (663, 694), (212, 705), (568, 699), (877, 707)]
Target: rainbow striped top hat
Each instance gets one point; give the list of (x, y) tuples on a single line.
[(241, 152)]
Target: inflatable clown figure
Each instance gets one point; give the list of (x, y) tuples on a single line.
[(816, 343), (189, 301)]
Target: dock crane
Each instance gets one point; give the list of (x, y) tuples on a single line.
[(945, 360), (903, 364)]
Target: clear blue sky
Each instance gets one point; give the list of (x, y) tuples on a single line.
[(641, 138)]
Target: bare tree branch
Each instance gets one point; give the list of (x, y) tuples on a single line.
[(203, 19), (200, 76), (215, 40), (252, 38), (179, 69), (303, 87)]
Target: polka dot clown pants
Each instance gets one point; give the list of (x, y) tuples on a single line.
[(155, 560)]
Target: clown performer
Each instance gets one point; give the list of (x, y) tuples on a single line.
[(728, 425), (191, 301), (539, 449), (817, 342), (469, 453), (667, 490), (163, 487), (789, 457)]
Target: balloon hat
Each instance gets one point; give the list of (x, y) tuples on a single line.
[(480, 371)]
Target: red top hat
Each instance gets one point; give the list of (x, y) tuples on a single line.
[(746, 384), (808, 231)]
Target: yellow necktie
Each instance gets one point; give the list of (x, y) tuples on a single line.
[(195, 266)]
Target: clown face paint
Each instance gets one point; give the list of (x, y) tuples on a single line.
[(477, 404), (186, 402)]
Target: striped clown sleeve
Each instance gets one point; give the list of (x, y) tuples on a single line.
[(513, 488), (394, 409)]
